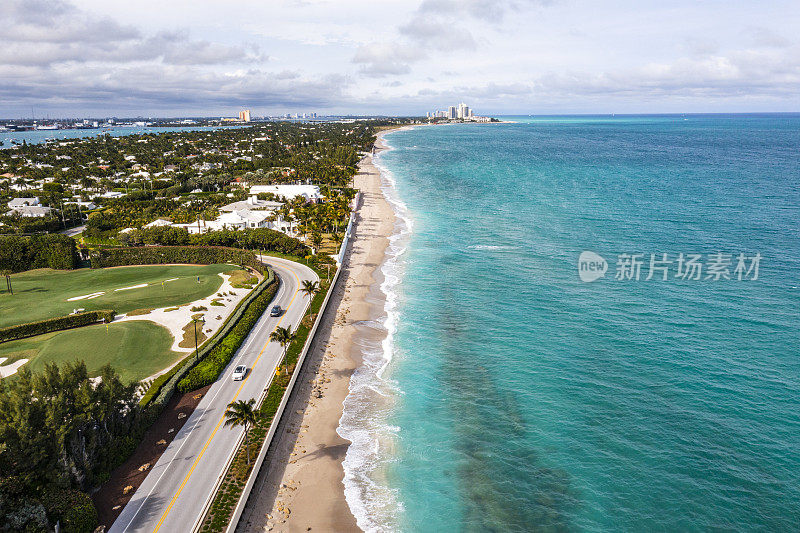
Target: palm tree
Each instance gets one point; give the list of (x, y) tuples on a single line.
[(243, 413), (7, 274), (282, 336), (316, 241), (310, 288)]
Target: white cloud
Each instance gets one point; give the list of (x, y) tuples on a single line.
[(203, 57)]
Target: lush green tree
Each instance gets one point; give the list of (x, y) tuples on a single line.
[(60, 426), (62, 430)]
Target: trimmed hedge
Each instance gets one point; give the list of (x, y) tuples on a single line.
[(250, 238), (19, 253), (208, 370), (77, 320), (163, 387), (158, 255)]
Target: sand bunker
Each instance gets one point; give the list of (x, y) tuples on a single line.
[(131, 287), (86, 296), (10, 370)]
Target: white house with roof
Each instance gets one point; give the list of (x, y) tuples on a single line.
[(311, 193), (243, 219), (112, 194), (28, 207), (83, 205), (23, 202), (32, 211), (159, 222), (250, 204)]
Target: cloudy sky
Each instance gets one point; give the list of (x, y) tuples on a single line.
[(198, 57)]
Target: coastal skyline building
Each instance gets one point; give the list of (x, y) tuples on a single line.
[(244, 115), (460, 112)]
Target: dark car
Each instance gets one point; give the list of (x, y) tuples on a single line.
[(276, 311)]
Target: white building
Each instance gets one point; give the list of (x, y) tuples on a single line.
[(243, 219), (159, 222), (31, 211), (251, 203), (234, 219), (28, 207), (83, 205), (16, 203), (311, 193), (112, 194)]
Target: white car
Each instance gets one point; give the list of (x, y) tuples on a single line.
[(239, 373)]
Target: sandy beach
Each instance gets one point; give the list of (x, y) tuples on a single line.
[(300, 485)]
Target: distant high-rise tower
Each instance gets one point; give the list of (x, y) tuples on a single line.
[(244, 116), (452, 112), (463, 110)]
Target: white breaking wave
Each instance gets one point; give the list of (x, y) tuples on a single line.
[(490, 247), (375, 506)]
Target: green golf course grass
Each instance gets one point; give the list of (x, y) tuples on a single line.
[(41, 294), (135, 349)]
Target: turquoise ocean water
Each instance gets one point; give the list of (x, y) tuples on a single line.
[(516, 397)]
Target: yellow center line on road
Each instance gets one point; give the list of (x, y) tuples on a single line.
[(219, 424)]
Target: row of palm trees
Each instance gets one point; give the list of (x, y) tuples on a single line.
[(243, 413)]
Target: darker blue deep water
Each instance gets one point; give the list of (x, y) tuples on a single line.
[(530, 400)]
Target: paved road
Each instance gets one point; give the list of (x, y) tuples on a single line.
[(174, 494), (71, 232)]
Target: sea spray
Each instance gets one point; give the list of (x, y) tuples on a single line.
[(375, 506)]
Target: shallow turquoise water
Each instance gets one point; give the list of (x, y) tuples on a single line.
[(526, 399)]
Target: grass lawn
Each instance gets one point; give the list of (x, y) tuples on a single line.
[(135, 349), (44, 293)]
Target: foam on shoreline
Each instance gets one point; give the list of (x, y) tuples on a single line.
[(375, 506)]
